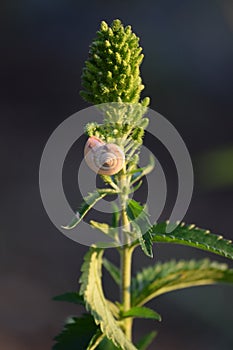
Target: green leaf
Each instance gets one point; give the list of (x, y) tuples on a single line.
[(101, 308), (141, 312), (113, 271), (95, 340), (71, 297), (146, 340), (143, 171), (140, 222), (106, 229), (107, 344), (115, 216), (163, 278), (88, 203), (145, 239), (135, 188), (77, 334), (146, 244), (194, 237)]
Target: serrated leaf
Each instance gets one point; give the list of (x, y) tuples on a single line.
[(140, 222), (96, 303), (88, 203), (145, 239), (106, 229), (163, 278), (71, 297), (141, 312), (146, 340), (76, 334), (113, 270), (194, 237)]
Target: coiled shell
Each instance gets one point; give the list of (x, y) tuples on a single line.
[(103, 158)]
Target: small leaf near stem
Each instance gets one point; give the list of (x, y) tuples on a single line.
[(88, 203), (113, 271), (141, 312)]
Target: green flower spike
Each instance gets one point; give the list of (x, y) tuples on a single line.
[(111, 73)]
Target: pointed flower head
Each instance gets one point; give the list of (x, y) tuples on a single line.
[(111, 73)]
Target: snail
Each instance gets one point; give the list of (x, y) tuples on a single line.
[(103, 158)]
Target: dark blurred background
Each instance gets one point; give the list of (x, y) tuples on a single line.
[(188, 72)]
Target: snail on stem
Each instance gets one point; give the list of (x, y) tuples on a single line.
[(103, 158)]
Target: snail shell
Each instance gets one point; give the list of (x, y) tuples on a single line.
[(103, 158)]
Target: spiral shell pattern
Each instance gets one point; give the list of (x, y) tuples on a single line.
[(103, 158)]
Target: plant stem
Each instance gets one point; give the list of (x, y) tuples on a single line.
[(126, 262), (126, 283)]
